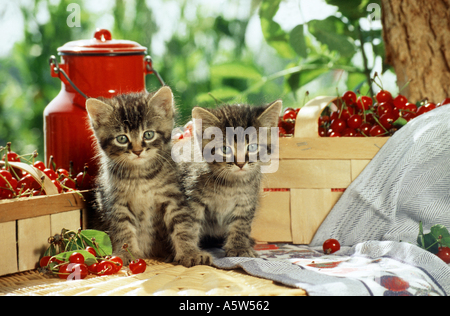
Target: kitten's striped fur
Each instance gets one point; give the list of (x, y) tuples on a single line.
[(224, 195), (138, 196)]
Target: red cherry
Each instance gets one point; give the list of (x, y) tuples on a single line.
[(297, 110), (446, 101), (349, 97), (137, 266), (376, 130), (444, 254), (44, 261), (331, 246), (338, 125), (354, 121), (344, 114), (39, 165), (324, 119), (82, 269), (425, 108), (93, 268), (64, 273), (84, 181), (386, 120), (76, 257), (322, 132), (349, 132), (400, 102), (68, 182), (51, 174), (105, 268), (63, 172), (281, 131), (91, 250), (332, 133), (57, 185), (291, 114), (384, 96), (365, 129), (30, 183), (364, 102), (118, 263), (384, 108)]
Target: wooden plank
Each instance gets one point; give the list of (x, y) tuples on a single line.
[(22, 208), (273, 220), (8, 250), (357, 167), (310, 174), (309, 207), (330, 148), (32, 240), (68, 220)]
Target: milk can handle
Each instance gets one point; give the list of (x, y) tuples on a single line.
[(150, 69), (57, 70)]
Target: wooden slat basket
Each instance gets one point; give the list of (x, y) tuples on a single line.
[(27, 223), (312, 174)]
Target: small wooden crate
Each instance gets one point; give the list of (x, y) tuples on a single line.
[(313, 173), (27, 223)]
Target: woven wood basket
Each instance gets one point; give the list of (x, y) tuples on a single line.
[(159, 279)]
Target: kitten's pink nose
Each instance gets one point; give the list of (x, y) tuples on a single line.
[(240, 165), (137, 152)]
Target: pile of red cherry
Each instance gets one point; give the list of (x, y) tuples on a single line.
[(353, 116), (75, 266), (15, 183)]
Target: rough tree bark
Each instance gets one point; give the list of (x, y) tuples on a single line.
[(417, 41)]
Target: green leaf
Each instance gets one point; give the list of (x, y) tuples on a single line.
[(101, 238), (330, 32), (352, 9), (273, 34), (439, 230), (428, 242), (235, 70), (355, 80), (221, 94), (400, 122), (88, 257), (297, 41)]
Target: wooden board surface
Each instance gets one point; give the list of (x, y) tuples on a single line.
[(22, 208), (272, 222), (8, 250), (32, 239), (364, 148), (310, 174)]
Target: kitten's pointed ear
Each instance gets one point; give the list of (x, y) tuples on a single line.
[(204, 115), (269, 118), (97, 110), (163, 100)]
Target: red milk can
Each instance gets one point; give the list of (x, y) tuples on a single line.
[(91, 68)]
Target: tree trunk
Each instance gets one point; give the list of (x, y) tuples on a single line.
[(417, 41)]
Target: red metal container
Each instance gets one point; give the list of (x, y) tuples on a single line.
[(91, 68)]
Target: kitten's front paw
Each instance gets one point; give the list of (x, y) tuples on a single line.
[(241, 252), (193, 258)]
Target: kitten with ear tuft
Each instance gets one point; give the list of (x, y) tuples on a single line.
[(138, 194), (224, 192)]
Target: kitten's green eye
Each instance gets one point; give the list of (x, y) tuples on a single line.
[(122, 139), (226, 150), (252, 148), (149, 135)]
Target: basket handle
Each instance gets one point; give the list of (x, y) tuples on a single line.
[(49, 187), (306, 124)]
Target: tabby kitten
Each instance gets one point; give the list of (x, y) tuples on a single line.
[(138, 195), (224, 195)]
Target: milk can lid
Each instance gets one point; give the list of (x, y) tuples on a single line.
[(102, 44)]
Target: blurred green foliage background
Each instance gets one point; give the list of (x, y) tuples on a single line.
[(202, 49)]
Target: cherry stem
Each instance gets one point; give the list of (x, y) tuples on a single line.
[(404, 86), (125, 246)]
